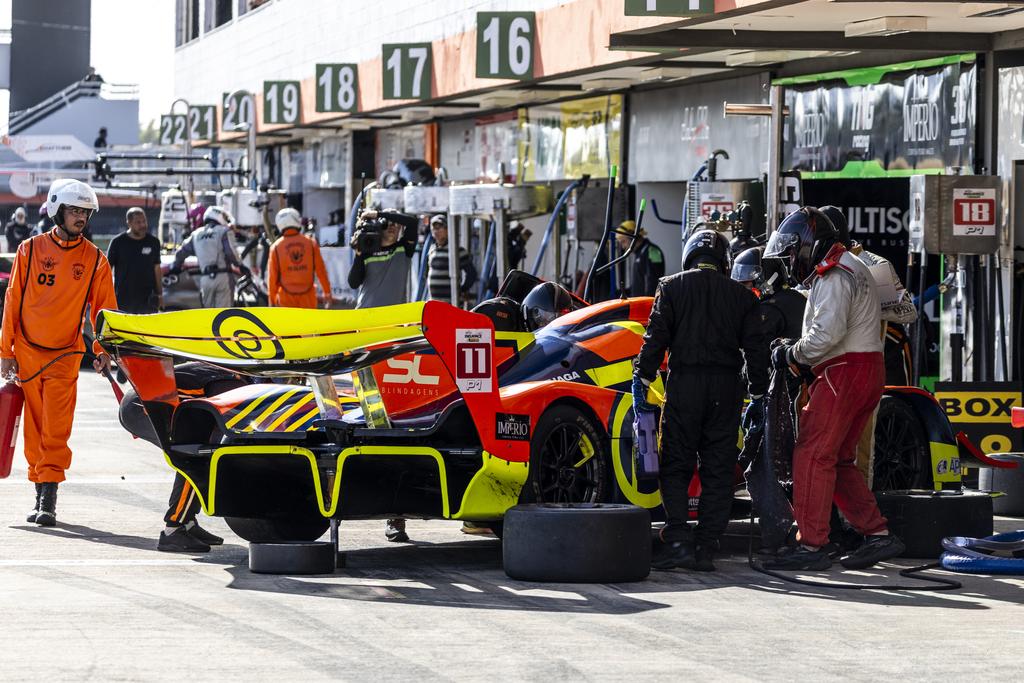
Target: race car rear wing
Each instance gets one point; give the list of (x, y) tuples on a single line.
[(314, 344)]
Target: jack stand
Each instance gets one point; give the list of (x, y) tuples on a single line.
[(340, 560)]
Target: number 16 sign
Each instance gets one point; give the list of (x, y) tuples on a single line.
[(473, 366)]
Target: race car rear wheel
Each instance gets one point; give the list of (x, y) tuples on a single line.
[(278, 530), (902, 457), (568, 459)]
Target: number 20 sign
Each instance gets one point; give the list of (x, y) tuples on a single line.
[(473, 363)]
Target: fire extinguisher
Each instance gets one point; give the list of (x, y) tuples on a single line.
[(12, 398)]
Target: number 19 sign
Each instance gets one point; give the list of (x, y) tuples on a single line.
[(473, 366)]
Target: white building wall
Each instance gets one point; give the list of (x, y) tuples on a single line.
[(284, 39)]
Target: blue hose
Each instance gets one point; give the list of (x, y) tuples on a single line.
[(485, 270), (961, 556), (421, 286), (562, 198)]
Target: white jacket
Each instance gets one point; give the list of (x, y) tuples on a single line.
[(843, 312)]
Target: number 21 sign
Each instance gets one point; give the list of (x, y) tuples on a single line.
[(473, 364)]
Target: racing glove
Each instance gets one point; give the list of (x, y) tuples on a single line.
[(245, 270), (640, 403), (753, 414)]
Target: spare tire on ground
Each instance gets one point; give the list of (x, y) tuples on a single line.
[(577, 543), (295, 557), (923, 518)]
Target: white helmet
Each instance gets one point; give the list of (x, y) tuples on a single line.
[(69, 192), (218, 215), (20, 215), (288, 219)]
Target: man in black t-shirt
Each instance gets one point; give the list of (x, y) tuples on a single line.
[(134, 256)]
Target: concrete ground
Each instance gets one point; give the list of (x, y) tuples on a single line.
[(92, 600)]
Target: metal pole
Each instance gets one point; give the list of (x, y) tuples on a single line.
[(454, 272), (776, 123), (189, 183), (500, 244)]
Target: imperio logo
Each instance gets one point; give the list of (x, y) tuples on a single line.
[(512, 427)]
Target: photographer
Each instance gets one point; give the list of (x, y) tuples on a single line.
[(384, 243)]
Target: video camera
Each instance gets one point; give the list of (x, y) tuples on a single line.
[(368, 235)]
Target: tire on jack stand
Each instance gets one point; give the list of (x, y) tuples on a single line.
[(296, 557), (577, 543)]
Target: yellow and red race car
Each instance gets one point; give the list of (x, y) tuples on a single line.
[(422, 410)]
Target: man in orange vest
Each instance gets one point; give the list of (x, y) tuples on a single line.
[(54, 277), (295, 262)]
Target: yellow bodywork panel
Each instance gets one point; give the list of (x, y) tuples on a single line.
[(945, 463), (265, 334), (493, 489)]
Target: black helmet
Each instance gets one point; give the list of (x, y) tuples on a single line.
[(747, 267), (838, 218), (389, 180), (414, 172), (544, 303), (709, 247), (804, 238), (504, 312), (740, 243)]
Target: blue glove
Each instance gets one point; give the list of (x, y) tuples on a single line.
[(640, 403), (753, 414), (782, 358)]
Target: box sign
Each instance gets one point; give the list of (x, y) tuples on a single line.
[(474, 368), (955, 214), (202, 122), (282, 102), (237, 110), (983, 410), (669, 8), (974, 212), (173, 129)]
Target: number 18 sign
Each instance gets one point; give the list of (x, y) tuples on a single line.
[(974, 212), (473, 366)]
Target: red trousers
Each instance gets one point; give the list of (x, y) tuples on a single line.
[(843, 397)]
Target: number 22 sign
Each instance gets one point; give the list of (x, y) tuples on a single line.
[(473, 364)]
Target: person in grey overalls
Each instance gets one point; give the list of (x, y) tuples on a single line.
[(211, 245)]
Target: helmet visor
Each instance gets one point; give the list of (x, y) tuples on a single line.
[(745, 272), (781, 243)]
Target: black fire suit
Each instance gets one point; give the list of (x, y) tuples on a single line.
[(783, 314), (709, 325)]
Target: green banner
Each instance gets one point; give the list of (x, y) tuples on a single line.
[(874, 74), (669, 8)]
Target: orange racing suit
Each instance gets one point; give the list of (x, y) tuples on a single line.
[(51, 284), (295, 262)]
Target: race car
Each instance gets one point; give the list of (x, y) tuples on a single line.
[(417, 410)]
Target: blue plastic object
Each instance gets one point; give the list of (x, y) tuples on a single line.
[(966, 555), (645, 426)]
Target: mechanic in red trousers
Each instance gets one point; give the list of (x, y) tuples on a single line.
[(54, 278), (842, 347)]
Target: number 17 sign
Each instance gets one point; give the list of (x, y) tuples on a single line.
[(473, 366)]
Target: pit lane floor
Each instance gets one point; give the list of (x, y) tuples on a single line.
[(92, 600)]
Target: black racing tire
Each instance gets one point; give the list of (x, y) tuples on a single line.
[(902, 452), (923, 518), (278, 530), (292, 558), (561, 437), (582, 543)]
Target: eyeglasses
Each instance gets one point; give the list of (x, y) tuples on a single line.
[(77, 211)]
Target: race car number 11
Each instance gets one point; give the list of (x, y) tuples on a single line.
[(473, 360)]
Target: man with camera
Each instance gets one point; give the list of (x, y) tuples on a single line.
[(384, 242)]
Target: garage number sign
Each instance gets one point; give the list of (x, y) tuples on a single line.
[(408, 71), (504, 44), (337, 87), (202, 122), (669, 8), (473, 365), (974, 212), (173, 128), (236, 112), (282, 102)]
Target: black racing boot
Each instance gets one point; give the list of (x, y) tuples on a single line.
[(47, 512), (35, 511), (799, 558), (874, 549), (705, 556), (180, 541), (677, 554), (394, 531), (200, 534)]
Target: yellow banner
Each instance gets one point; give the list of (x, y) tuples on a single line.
[(570, 139)]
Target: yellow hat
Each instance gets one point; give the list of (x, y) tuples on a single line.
[(627, 226)]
